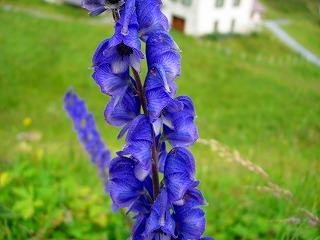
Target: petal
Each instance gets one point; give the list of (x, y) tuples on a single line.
[(138, 228), (192, 195), (140, 130), (156, 78), (120, 64), (109, 82), (157, 101), (123, 186), (157, 126), (162, 157), (161, 49), (98, 57), (95, 7), (141, 152), (179, 172), (150, 17), (160, 217), (123, 130), (182, 132), (135, 62), (97, 11), (128, 16), (190, 222), (123, 110), (156, 92)]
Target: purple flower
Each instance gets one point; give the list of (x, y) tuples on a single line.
[(122, 109), (157, 92), (190, 221), (110, 83), (96, 7), (192, 195), (179, 127), (162, 50), (88, 134), (138, 146), (123, 186), (150, 17), (119, 52), (179, 173), (160, 224), (175, 117)]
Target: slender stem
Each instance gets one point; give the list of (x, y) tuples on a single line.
[(140, 89), (143, 100), (115, 15), (155, 160)]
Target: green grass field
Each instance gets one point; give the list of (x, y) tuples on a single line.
[(251, 93)]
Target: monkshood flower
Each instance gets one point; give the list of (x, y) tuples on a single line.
[(162, 50), (122, 109), (190, 221), (160, 223), (174, 116), (88, 134), (119, 52), (157, 91), (123, 186), (150, 18), (138, 146), (179, 126), (179, 173), (153, 175)]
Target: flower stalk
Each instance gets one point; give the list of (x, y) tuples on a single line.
[(152, 119)]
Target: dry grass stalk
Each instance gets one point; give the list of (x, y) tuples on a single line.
[(271, 187)]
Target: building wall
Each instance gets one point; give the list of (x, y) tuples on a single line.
[(189, 13), (202, 15)]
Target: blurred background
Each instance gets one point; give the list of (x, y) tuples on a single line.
[(253, 71)]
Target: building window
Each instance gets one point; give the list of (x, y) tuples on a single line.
[(219, 3), (187, 2), (216, 26), (236, 3)]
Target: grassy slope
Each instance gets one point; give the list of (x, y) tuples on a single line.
[(251, 93)]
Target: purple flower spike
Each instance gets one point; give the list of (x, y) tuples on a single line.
[(88, 134), (156, 185)]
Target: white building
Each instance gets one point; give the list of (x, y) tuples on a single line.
[(200, 17)]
